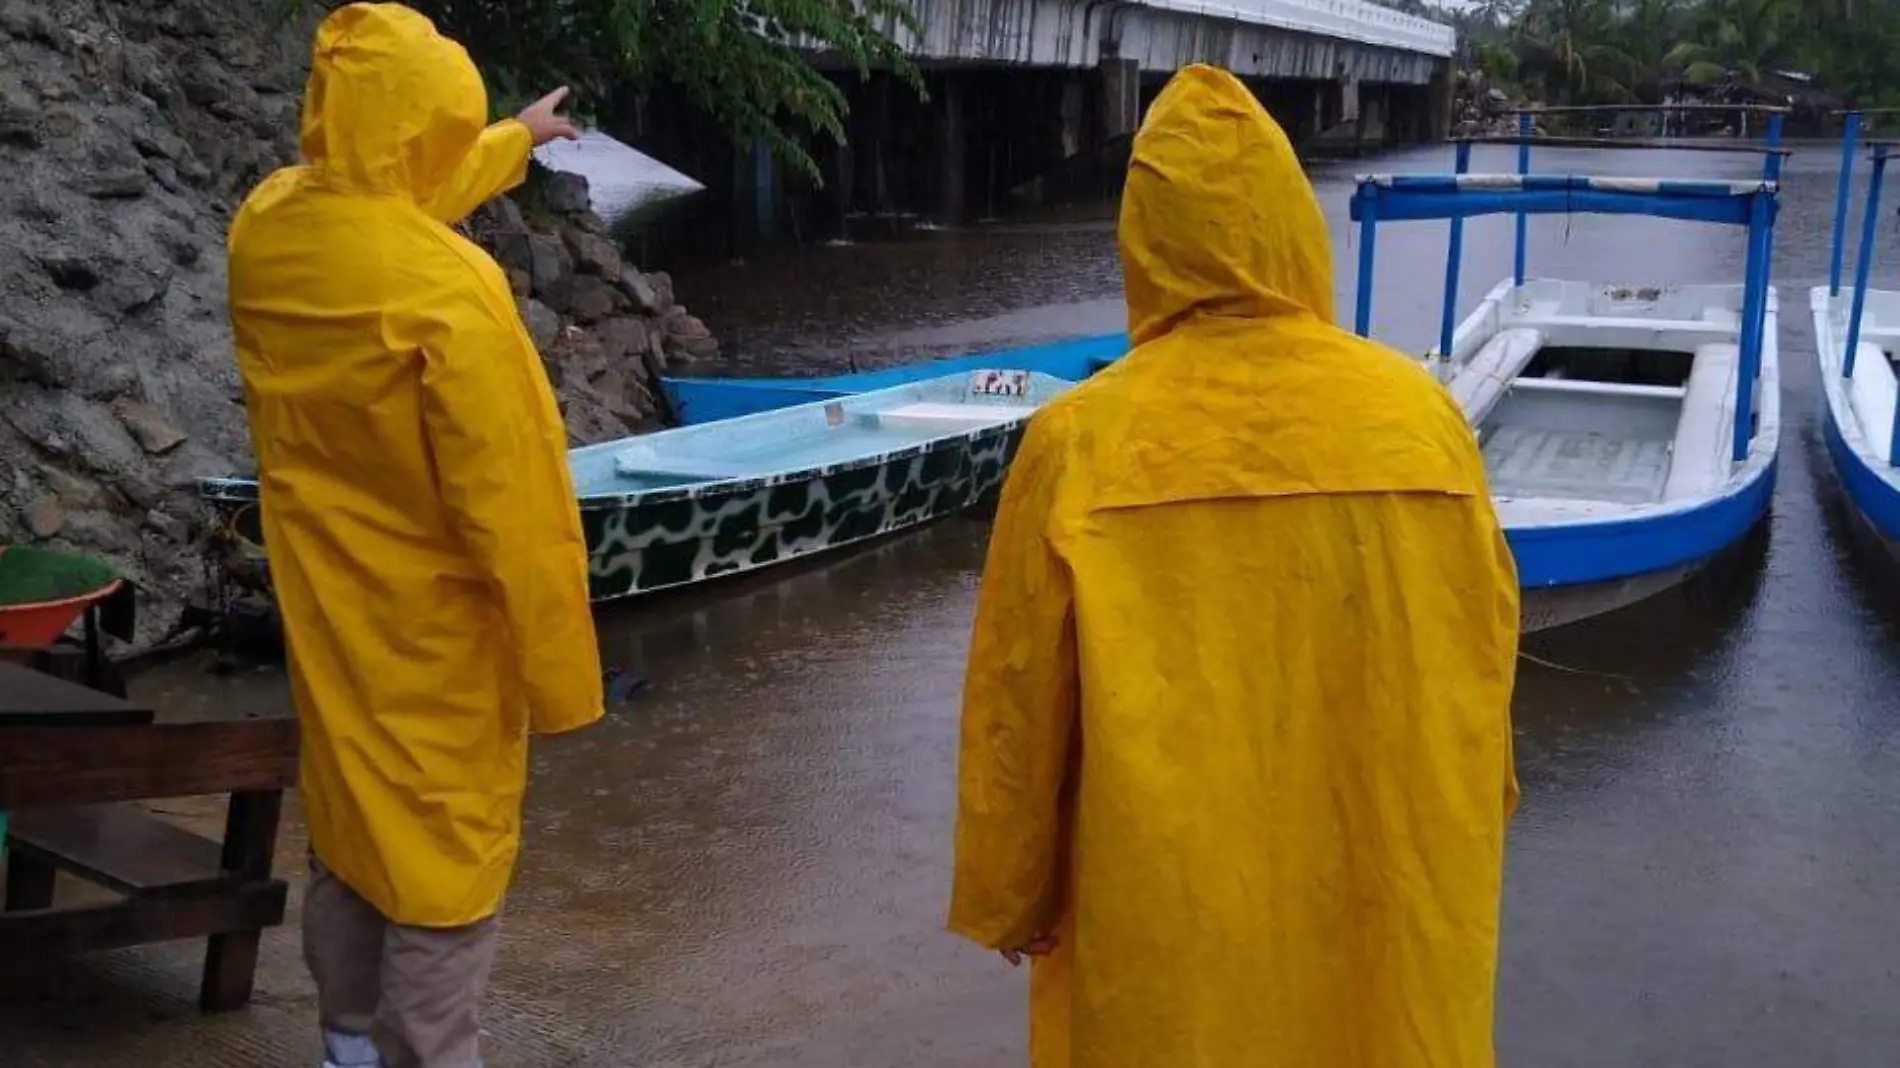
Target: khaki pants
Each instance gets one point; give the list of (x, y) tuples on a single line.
[(409, 994)]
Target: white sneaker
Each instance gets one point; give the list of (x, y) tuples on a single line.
[(349, 1051)]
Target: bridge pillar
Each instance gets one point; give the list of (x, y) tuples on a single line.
[(1375, 116), (952, 162), (1440, 100), (1349, 102), (1074, 95), (1121, 96)]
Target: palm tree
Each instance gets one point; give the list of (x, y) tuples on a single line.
[(1572, 47), (1740, 38), (1647, 28)]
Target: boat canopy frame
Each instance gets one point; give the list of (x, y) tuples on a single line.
[(1881, 153), (1753, 205)]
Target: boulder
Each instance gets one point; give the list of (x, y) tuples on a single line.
[(149, 427), (70, 270), (623, 338), (593, 299), (662, 290), (552, 271), (512, 249), (682, 326), (117, 185), (692, 349), (543, 323), (45, 517), (640, 289), (593, 254), (168, 526), (567, 194)]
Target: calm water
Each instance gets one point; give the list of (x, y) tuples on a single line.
[(747, 865)]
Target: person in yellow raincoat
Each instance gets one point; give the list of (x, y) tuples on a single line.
[(424, 537), (1236, 746)]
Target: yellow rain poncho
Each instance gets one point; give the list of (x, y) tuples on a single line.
[(1236, 724), (424, 538)]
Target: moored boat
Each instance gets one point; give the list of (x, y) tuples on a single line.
[(1856, 333), (1630, 433), (701, 502), (710, 400)]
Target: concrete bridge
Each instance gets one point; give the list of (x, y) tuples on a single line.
[(1036, 99), (1271, 39)]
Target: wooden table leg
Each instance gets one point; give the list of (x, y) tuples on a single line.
[(250, 842), (29, 883)]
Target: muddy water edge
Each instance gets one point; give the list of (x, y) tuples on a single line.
[(747, 864)]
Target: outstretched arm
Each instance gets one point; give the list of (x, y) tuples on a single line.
[(497, 164), (499, 160)]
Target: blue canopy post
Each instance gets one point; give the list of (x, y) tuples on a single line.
[(1524, 131), (1863, 270), (1754, 313), (1368, 216), (1454, 257), (1761, 256), (1850, 142)]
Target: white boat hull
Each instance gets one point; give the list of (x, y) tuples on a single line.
[(1860, 410)]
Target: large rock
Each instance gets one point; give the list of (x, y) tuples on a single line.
[(154, 432), (513, 249), (552, 270), (118, 184), (593, 254), (44, 517), (593, 300), (543, 323), (640, 289), (567, 194), (623, 338)]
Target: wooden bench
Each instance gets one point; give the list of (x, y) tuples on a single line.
[(66, 787)]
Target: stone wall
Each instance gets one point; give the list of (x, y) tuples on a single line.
[(129, 132), (604, 328)]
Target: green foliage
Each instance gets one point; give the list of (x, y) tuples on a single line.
[(1619, 51), (734, 59)]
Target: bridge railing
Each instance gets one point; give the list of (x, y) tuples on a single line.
[(1351, 20)]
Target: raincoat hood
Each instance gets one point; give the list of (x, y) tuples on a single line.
[(392, 106), (1218, 218)]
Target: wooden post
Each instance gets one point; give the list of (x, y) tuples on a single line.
[(250, 843)]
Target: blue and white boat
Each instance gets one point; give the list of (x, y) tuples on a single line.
[(682, 506), (1856, 334), (1630, 434), (710, 400)]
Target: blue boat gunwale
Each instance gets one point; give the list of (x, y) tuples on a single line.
[(1084, 354), (1872, 486), (1571, 553), (247, 491)]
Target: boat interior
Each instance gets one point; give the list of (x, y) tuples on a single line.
[(1585, 393), (814, 435), (1871, 392)]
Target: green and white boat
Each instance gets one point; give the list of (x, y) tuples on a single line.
[(681, 506)]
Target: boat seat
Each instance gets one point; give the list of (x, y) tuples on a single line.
[(1597, 389), (949, 417), (1870, 393), (645, 464), (1700, 457), (1481, 381)]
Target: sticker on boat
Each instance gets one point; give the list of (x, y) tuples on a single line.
[(999, 383)]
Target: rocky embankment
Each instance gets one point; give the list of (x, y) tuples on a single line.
[(129, 132)]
